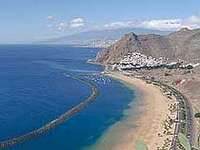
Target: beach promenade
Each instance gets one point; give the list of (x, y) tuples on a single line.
[(184, 119), (181, 119)]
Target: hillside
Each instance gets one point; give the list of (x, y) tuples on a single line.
[(183, 44)]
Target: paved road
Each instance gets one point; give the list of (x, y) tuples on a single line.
[(181, 99)]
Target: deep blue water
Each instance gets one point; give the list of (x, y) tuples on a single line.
[(35, 90)]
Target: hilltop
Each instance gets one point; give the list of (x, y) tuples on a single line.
[(180, 45), (172, 60)]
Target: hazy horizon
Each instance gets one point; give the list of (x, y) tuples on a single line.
[(29, 21)]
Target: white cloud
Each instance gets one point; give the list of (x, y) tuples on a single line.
[(119, 24), (50, 18), (192, 22), (59, 25), (74, 23), (168, 24), (77, 23), (77, 20), (62, 26), (194, 19), (158, 24)]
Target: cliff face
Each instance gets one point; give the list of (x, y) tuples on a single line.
[(183, 44)]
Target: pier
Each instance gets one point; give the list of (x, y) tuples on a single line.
[(59, 120)]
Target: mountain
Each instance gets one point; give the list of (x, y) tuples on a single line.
[(183, 44), (90, 36)]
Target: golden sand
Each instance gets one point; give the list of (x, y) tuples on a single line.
[(153, 109)]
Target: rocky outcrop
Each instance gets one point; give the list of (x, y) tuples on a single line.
[(183, 44)]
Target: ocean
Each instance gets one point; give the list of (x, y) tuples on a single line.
[(34, 90)]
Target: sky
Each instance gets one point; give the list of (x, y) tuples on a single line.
[(35, 20)]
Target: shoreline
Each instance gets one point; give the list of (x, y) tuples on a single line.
[(152, 105)]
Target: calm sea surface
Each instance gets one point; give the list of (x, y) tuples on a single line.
[(34, 90)]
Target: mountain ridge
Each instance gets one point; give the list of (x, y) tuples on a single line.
[(183, 44), (107, 34)]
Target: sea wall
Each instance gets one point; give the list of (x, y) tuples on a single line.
[(59, 120)]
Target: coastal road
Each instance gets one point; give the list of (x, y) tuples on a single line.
[(188, 113), (187, 110)]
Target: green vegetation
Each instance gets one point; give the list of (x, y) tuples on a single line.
[(140, 145), (184, 142), (197, 115)]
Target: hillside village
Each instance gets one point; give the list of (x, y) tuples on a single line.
[(171, 60), (137, 60)]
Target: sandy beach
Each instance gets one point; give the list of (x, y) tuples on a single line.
[(153, 110)]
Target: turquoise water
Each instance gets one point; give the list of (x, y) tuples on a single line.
[(34, 90)]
